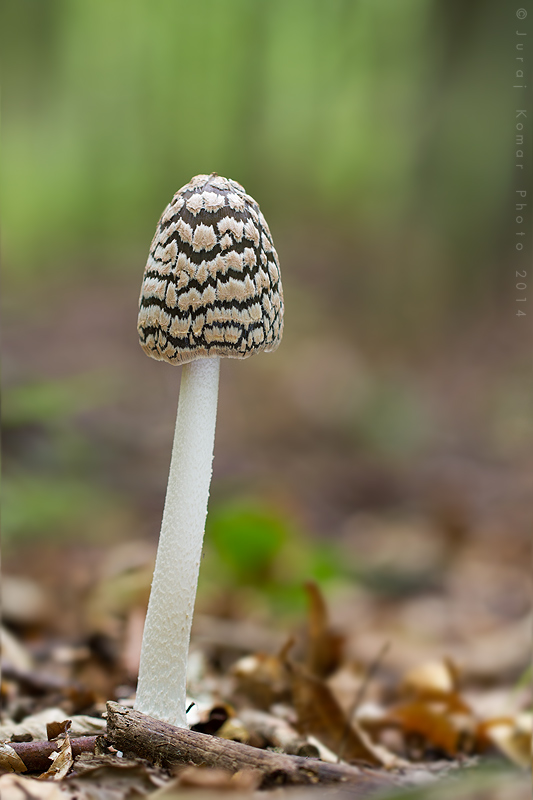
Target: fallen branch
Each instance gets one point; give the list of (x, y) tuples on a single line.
[(136, 734), (35, 755)]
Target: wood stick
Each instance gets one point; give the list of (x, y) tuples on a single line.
[(136, 734), (35, 755)]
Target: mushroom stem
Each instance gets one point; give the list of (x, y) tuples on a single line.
[(161, 688)]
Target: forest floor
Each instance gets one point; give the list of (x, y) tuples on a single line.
[(400, 643)]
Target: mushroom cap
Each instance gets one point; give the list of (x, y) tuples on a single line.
[(212, 285)]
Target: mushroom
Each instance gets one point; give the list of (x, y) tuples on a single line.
[(211, 288)]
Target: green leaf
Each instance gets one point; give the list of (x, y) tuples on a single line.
[(247, 537)]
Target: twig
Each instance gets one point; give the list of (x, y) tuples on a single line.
[(136, 734), (35, 755)]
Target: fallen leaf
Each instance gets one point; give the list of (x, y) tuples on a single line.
[(55, 729), (320, 715), (347, 684), (61, 762), (262, 678), (271, 730), (215, 780), (112, 778), (435, 710), (24, 602), (442, 724), (35, 725), (15, 787), (323, 752), (511, 735), (324, 646), (432, 679), (234, 730), (13, 651), (10, 761)]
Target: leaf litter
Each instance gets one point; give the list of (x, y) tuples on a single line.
[(315, 697)]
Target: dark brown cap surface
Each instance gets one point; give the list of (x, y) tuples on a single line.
[(212, 284)]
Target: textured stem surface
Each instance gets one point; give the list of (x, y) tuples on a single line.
[(165, 646)]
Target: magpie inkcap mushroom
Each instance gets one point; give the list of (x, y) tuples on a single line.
[(211, 288)]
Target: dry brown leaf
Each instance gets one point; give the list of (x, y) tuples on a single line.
[(262, 678), (13, 651), (325, 646), (431, 679), (10, 761), (320, 715), (111, 778), (215, 780), (271, 730), (35, 725), (24, 601), (441, 724), (511, 735), (15, 787), (61, 762), (234, 730), (347, 685), (55, 729), (323, 752)]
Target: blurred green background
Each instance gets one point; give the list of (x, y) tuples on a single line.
[(368, 128), (377, 137)]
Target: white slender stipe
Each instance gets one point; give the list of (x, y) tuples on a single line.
[(165, 646)]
